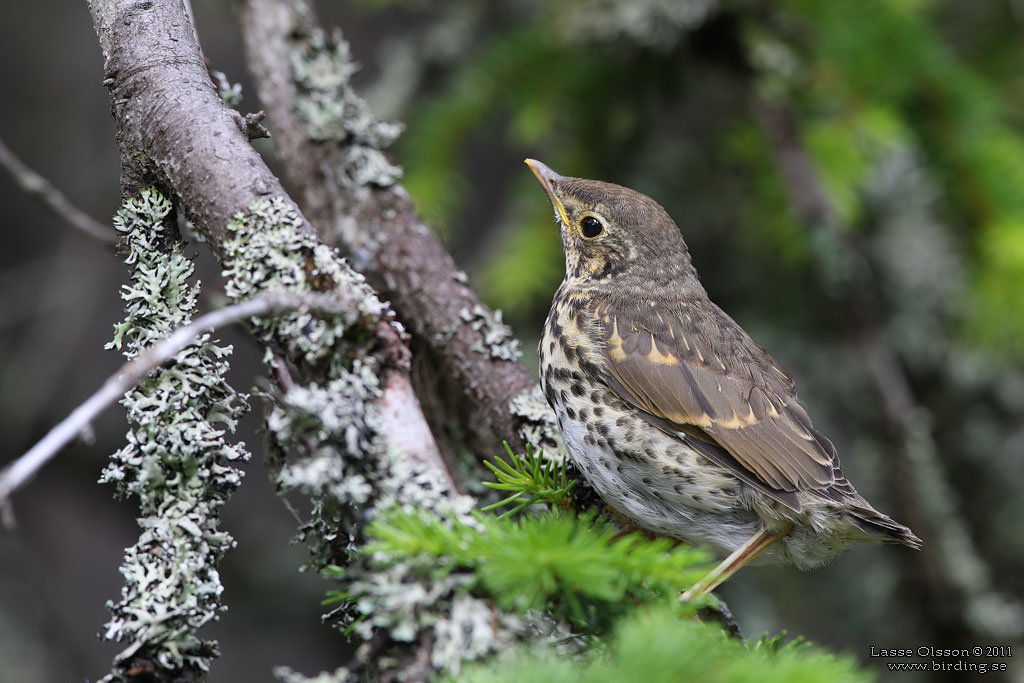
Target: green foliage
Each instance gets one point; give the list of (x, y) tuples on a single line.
[(432, 147), (848, 150), (570, 566), (771, 222), (532, 478), (612, 601), (532, 244), (888, 54), (654, 645), (774, 644)]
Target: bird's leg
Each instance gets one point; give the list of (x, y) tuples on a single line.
[(732, 564)]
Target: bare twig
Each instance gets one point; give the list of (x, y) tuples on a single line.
[(38, 187), (15, 475)]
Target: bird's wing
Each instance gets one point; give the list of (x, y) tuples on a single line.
[(660, 359)]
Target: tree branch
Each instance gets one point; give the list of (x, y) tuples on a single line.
[(159, 90), (40, 188), (340, 431), (374, 222), (18, 473)]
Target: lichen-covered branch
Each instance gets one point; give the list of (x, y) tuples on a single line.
[(159, 91), (335, 444), (332, 146), (344, 403), (19, 472), (177, 461)]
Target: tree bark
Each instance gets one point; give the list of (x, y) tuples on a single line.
[(174, 132), (495, 396)]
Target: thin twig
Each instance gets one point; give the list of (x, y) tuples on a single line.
[(128, 375), (40, 188)]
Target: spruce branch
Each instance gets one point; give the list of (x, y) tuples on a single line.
[(574, 568), (533, 479), (656, 646)]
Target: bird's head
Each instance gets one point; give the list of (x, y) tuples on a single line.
[(612, 231)]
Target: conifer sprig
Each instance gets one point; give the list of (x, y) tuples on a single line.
[(571, 566), (533, 480)]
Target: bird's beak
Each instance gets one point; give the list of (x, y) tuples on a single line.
[(548, 179)]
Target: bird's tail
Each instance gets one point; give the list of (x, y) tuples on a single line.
[(873, 522)]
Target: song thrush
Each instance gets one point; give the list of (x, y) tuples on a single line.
[(679, 420)]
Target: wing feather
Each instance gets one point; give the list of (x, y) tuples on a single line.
[(659, 360)]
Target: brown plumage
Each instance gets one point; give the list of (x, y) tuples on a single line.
[(675, 415)]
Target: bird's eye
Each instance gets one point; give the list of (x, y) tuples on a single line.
[(591, 227)]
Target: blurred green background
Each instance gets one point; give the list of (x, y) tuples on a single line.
[(849, 177)]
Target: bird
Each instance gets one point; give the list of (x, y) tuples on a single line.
[(682, 423)]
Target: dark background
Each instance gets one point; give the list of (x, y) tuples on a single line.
[(910, 115)]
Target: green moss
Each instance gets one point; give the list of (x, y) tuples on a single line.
[(885, 54)]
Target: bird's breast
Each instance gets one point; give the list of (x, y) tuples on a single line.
[(569, 356), (650, 477)]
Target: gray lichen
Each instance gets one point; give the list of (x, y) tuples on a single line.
[(496, 338), (177, 462), (326, 427), (473, 629), (286, 674), (407, 602), (230, 93), (537, 424), (417, 601), (322, 68), (269, 250), (410, 599), (330, 431)]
